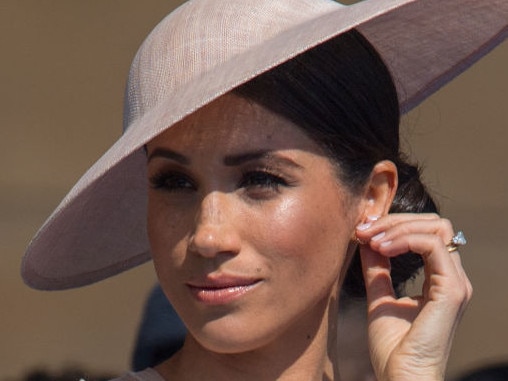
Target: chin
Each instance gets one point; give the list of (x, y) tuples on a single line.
[(229, 336)]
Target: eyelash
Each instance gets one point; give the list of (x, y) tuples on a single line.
[(172, 182), (262, 179), (252, 180)]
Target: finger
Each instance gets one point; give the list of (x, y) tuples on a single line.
[(376, 273), (430, 246), (455, 256), (396, 218), (401, 224), (438, 261), (426, 235), (401, 233), (445, 283)]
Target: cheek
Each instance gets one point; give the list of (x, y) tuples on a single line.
[(309, 236), (165, 231), (166, 234)]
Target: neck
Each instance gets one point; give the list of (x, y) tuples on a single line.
[(306, 351)]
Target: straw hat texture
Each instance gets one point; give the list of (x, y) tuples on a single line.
[(204, 49)]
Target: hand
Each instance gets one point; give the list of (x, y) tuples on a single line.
[(410, 337)]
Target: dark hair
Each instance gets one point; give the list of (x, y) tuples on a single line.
[(342, 95)]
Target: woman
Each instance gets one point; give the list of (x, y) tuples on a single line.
[(282, 161)]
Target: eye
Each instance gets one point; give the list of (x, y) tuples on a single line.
[(261, 181), (172, 182)]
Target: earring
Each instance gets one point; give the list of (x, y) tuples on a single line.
[(357, 240)]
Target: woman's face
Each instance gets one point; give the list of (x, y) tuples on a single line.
[(248, 224)]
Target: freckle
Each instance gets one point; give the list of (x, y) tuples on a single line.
[(258, 269), (269, 137), (308, 337)]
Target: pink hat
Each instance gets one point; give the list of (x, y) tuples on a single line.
[(204, 49)]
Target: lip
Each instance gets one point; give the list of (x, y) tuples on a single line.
[(220, 290)]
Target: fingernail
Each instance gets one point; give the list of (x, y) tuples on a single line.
[(373, 218), (386, 243), (377, 237), (364, 226)]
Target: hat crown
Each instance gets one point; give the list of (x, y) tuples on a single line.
[(201, 35)]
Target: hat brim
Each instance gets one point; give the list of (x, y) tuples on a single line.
[(99, 229)]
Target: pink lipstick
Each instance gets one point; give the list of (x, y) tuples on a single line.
[(222, 289)]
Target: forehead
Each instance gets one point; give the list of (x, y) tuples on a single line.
[(235, 123)]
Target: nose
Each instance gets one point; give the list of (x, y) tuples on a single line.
[(216, 228)]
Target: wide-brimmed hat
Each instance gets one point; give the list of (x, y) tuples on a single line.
[(204, 49)]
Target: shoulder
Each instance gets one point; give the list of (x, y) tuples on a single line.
[(148, 374)]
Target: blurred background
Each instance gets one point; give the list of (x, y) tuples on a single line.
[(62, 75)]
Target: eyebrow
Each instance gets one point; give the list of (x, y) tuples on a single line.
[(229, 160), (169, 154), (239, 159)]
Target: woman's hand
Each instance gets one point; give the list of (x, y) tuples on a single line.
[(410, 337)]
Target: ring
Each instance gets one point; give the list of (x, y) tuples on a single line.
[(458, 240)]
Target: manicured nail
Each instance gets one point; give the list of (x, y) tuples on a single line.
[(386, 243), (364, 226), (377, 237), (373, 218)]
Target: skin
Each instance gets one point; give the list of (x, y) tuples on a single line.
[(237, 191), (410, 338)]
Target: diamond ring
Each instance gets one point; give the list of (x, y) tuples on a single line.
[(458, 240)]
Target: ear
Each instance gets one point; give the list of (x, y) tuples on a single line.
[(380, 190)]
